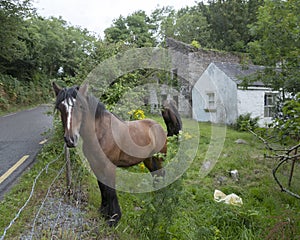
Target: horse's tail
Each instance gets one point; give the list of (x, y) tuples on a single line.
[(171, 118)]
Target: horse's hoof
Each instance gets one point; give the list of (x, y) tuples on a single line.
[(114, 220)]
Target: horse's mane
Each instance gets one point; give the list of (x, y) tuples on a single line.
[(71, 93), (96, 106), (99, 107), (66, 94)]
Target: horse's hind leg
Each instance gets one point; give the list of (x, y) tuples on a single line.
[(110, 207)]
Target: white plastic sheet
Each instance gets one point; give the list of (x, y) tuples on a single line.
[(231, 199)]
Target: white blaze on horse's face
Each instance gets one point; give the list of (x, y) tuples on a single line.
[(69, 104), (71, 132)]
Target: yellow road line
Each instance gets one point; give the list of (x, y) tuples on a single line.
[(13, 168)]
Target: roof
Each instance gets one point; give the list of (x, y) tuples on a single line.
[(238, 72)]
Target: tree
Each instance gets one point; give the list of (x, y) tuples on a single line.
[(192, 25), (277, 31), (57, 49), (12, 46), (118, 31), (164, 20), (135, 30), (228, 21), (185, 25)]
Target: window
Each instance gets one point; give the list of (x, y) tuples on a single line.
[(210, 102), (270, 100)]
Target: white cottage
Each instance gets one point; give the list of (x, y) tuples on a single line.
[(219, 97)]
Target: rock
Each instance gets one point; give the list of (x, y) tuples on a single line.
[(234, 174), (137, 208), (240, 141), (221, 180), (206, 165)]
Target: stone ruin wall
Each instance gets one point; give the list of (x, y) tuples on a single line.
[(190, 64)]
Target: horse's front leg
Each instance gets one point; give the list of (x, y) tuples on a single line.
[(104, 200), (110, 207)]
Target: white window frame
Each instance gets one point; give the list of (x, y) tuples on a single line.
[(210, 102), (269, 103)]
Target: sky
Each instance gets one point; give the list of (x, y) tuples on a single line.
[(97, 15)]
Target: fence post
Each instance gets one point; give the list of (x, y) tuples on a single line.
[(68, 170)]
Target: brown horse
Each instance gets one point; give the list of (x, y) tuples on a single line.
[(108, 142)]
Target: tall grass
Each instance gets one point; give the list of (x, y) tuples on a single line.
[(185, 209)]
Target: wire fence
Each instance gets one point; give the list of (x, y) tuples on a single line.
[(43, 202), (30, 196), (54, 219)]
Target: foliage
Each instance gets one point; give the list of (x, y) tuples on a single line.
[(15, 92), (137, 114), (125, 93), (246, 122), (36, 49), (11, 30), (218, 24), (278, 46), (47, 46), (228, 21), (135, 30), (288, 124), (189, 25)]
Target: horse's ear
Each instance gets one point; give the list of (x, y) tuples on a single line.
[(56, 88), (84, 89)]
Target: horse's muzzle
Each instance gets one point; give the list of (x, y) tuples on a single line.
[(71, 141)]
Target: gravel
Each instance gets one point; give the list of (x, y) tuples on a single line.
[(58, 220)]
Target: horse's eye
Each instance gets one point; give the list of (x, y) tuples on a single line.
[(59, 107)]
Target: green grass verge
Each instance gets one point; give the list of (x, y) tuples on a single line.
[(183, 210)]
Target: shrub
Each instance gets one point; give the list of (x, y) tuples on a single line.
[(14, 92), (246, 122), (288, 123)]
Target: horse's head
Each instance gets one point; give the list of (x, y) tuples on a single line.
[(70, 102)]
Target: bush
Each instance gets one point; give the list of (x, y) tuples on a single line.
[(246, 122), (288, 123), (15, 92)]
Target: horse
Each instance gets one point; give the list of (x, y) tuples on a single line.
[(171, 117), (108, 142)]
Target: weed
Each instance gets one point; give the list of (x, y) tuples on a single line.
[(245, 122)]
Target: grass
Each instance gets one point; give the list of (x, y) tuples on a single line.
[(184, 209)]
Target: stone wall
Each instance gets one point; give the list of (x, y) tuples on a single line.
[(190, 64)]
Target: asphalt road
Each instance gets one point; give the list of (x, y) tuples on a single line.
[(21, 138)]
